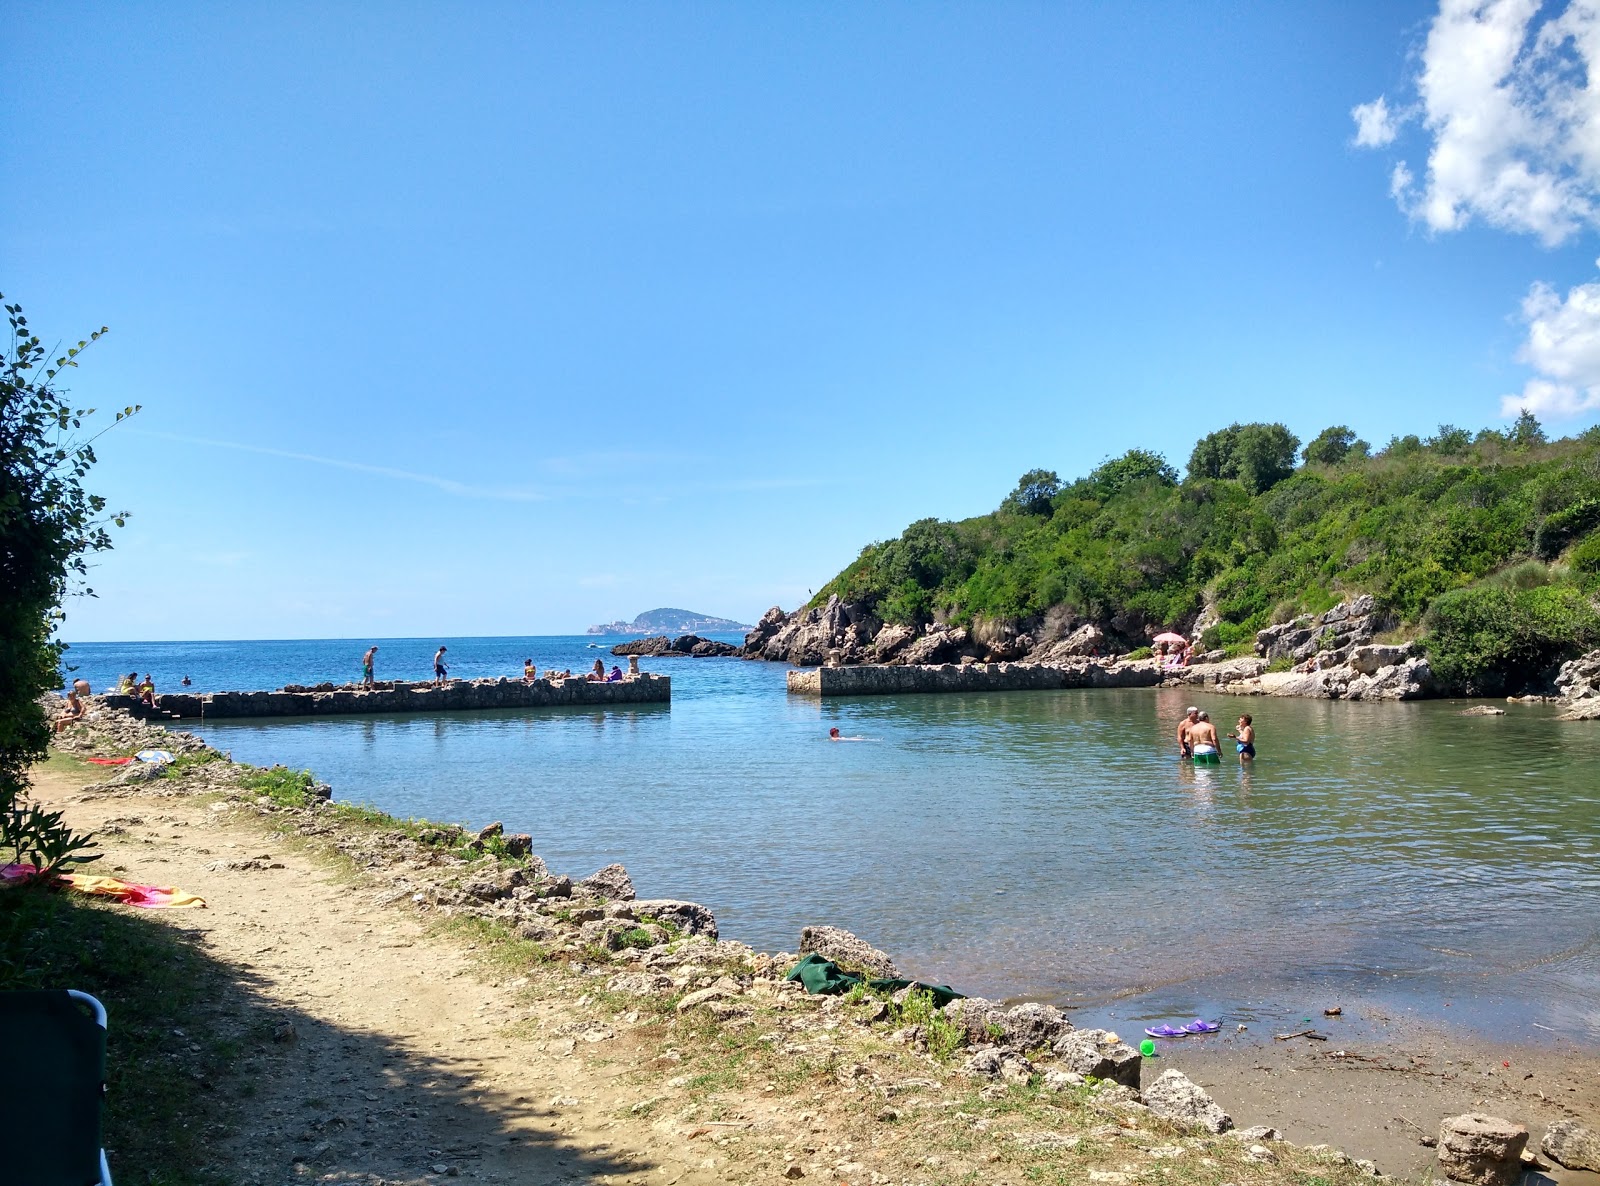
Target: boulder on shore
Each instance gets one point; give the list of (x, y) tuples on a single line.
[(1178, 1098), (612, 883), (1571, 1144), (1102, 1054), (847, 951), (1481, 1149)]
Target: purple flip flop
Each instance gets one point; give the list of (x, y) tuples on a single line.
[(1199, 1026), (1165, 1031)]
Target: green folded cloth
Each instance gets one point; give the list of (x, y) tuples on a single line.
[(824, 977)]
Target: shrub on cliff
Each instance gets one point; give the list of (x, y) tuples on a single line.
[(48, 525), (1129, 547), (1494, 639)]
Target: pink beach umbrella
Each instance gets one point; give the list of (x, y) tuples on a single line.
[(1171, 639)]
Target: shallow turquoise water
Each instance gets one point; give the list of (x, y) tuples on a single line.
[(1397, 856)]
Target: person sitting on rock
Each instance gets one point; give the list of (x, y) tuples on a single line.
[(147, 691), (76, 710), (598, 675), (616, 675), (529, 671), (80, 686), (128, 684)]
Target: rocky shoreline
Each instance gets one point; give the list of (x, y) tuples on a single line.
[(1331, 656), (666, 954)]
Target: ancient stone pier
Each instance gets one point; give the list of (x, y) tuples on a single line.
[(882, 680), (399, 696)]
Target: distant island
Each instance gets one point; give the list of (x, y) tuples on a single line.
[(672, 621)]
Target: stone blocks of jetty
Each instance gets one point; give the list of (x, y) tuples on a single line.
[(885, 680), (401, 697)]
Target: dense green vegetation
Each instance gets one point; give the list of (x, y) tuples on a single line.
[(1263, 530), (48, 525)]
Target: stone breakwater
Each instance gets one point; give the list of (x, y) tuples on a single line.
[(883, 680), (398, 697)]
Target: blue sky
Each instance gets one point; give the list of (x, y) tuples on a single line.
[(479, 319)]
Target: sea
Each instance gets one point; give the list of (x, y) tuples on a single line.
[(1399, 859)]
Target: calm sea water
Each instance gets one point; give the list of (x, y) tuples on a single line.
[(1397, 857)]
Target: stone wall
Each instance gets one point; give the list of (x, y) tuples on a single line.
[(886, 680), (456, 695)]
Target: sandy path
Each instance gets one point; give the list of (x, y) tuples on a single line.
[(377, 1053)]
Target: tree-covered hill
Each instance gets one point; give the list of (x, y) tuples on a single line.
[(1259, 529)]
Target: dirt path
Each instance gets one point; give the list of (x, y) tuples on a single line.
[(376, 1052)]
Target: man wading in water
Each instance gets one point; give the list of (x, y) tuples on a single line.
[(1185, 746)]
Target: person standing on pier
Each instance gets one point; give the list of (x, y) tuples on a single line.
[(366, 667), (440, 672)]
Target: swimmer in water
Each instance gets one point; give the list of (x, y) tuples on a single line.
[(833, 735)]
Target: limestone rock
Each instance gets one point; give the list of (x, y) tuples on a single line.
[(1032, 1025), (689, 917), (640, 984), (986, 1064), (703, 997), (1101, 1054), (1483, 710), (1016, 1069), (1579, 679), (1370, 658), (847, 951), (1572, 1145), (612, 883), (1174, 1096), (891, 640), (1481, 1149)]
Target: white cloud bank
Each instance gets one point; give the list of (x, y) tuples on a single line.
[(1505, 95), (1564, 347)]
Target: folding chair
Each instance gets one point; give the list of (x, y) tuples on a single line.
[(52, 1089)]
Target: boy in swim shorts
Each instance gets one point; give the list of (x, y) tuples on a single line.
[(1245, 738)]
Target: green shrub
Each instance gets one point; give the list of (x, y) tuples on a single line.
[(1561, 528), (1586, 557), (285, 787), (1488, 640)]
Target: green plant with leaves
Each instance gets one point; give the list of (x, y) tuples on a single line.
[(49, 526)]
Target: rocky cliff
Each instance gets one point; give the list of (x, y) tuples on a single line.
[(1333, 654)]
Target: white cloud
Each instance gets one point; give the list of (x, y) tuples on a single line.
[(1400, 183), (1564, 347), (1515, 123), (1375, 124)]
